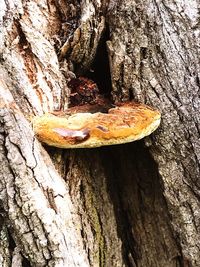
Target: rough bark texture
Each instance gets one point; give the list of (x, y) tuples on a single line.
[(158, 63), (129, 205)]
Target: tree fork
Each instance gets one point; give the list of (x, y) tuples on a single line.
[(130, 205)]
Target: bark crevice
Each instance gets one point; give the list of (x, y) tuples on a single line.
[(127, 205)]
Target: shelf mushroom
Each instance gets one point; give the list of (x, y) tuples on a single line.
[(126, 122)]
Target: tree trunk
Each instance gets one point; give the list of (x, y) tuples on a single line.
[(128, 205)]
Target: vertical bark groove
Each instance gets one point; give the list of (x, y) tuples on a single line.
[(130, 205)]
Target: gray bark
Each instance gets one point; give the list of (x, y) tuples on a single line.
[(159, 64), (129, 205)]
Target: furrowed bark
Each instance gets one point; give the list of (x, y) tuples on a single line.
[(156, 60), (35, 200), (129, 205), (34, 197)]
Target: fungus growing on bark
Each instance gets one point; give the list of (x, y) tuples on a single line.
[(83, 91), (124, 123)]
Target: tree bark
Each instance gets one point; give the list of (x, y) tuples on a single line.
[(128, 205)]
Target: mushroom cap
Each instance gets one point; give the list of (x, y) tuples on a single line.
[(127, 122)]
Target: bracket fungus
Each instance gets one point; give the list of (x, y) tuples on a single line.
[(126, 122)]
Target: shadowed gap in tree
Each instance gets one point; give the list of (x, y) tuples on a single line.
[(100, 69)]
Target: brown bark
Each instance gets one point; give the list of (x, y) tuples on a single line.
[(128, 205), (158, 62)]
